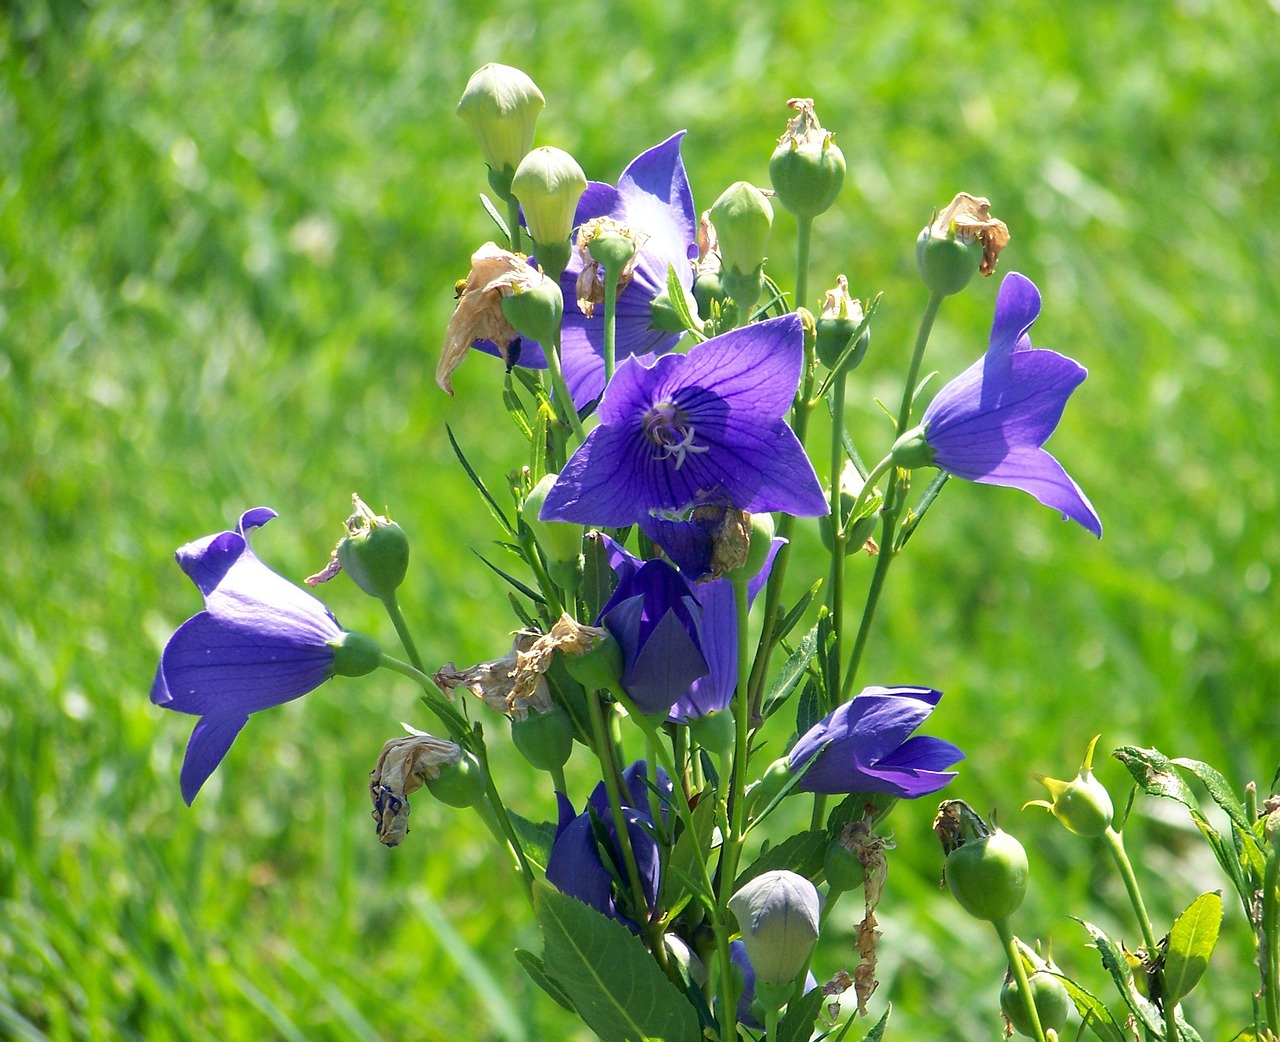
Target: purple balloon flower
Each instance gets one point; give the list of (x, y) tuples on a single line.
[(575, 866), (653, 200), (706, 424), (866, 746), (989, 423), (260, 642)]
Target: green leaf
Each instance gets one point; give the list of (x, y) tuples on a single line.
[(1114, 962), (538, 974), (613, 982), (1092, 1011), (535, 837), (1155, 774), (1191, 942), (796, 613), (797, 1025), (792, 672), (809, 710), (537, 598), (680, 304), (597, 577), (1218, 788), (684, 866), (801, 853), (495, 216), (475, 480)]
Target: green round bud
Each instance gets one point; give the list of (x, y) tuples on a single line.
[(535, 312), (988, 876), (742, 218), (501, 106), (772, 782), (807, 168), (549, 182), (355, 655), (760, 543), (778, 913), (561, 541), (708, 288), (833, 338), (843, 868), (461, 784), (612, 252), (947, 263), (600, 669), (912, 451), (376, 557), (544, 739), (715, 732), (1051, 1000)]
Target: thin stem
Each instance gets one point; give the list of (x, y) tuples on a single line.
[(530, 547), (742, 718), (504, 821), (454, 721), (1115, 844), (835, 593), (917, 357), (564, 400), (1270, 939), (513, 222), (610, 322), (1019, 972), (402, 631), (804, 234), (771, 1024)]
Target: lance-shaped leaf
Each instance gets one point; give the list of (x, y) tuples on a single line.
[(1191, 942), (1092, 1011), (1114, 962)]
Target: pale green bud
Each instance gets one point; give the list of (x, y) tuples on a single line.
[(501, 106)]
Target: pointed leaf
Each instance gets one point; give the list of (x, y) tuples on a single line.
[(801, 853), (1218, 788), (1092, 1011), (537, 598), (684, 861), (796, 613), (797, 1025), (792, 672), (1191, 942), (809, 710), (617, 988), (475, 480), (496, 217), (1155, 774), (680, 304), (538, 974), (535, 837), (1114, 962)]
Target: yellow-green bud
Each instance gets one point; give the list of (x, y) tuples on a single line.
[(549, 182), (561, 541), (807, 168), (501, 106), (1083, 804), (742, 217), (535, 312)]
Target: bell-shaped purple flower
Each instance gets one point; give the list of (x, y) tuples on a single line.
[(708, 424), (575, 866), (989, 424), (866, 745), (260, 642)]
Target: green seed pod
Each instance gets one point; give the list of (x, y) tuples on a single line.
[(1051, 1001), (807, 168), (544, 739), (1083, 804), (962, 240), (535, 311), (988, 875), (461, 784), (375, 552)]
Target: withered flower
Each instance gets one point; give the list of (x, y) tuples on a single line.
[(590, 284), (969, 218), (405, 765)]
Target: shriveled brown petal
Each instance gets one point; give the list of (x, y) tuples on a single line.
[(404, 766), (708, 245), (479, 316), (838, 304), (491, 682), (589, 288), (971, 218), (803, 129)]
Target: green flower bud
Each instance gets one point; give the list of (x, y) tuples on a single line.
[(535, 310), (860, 528), (708, 289), (461, 784), (962, 240), (742, 217), (807, 169), (988, 875), (766, 790), (911, 451), (843, 868), (1048, 993), (544, 739), (715, 732), (549, 182), (778, 914), (355, 655), (501, 106), (375, 552), (1083, 804), (841, 316), (561, 541)]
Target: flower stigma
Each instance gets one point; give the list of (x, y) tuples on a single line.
[(665, 425)]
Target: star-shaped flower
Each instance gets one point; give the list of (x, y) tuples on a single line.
[(709, 423), (989, 423)]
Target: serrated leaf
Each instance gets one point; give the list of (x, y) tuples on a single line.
[(797, 1025), (604, 969), (538, 974), (1226, 854), (1114, 962), (1191, 942), (1218, 787), (1092, 1011), (1155, 774), (792, 672), (535, 837), (877, 1032), (801, 853)]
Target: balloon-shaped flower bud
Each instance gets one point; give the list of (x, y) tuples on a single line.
[(549, 182), (807, 168), (986, 867), (501, 106), (742, 217), (544, 739), (777, 913), (963, 239), (374, 553), (404, 765), (1083, 804), (840, 318)]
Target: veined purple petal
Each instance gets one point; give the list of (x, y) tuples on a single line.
[(1017, 308), (753, 371), (209, 743), (1037, 473)]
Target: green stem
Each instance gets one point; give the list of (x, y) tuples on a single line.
[(917, 357), (454, 722), (530, 547), (610, 321), (804, 234), (819, 811), (1019, 972), (564, 400), (513, 222), (1115, 844), (835, 593), (771, 1025), (1270, 940), (402, 631), (742, 719)]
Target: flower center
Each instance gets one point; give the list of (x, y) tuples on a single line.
[(665, 425)]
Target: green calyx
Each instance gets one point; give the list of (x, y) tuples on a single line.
[(535, 311), (544, 739), (355, 655), (807, 168), (912, 451), (947, 263), (374, 553), (715, 732), (460, 785)]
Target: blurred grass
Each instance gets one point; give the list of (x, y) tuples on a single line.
[(228, 238)]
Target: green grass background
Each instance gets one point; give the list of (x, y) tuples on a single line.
[(229, 234)]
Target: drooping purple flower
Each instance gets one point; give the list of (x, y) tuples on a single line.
[(866, 745), (652, 199), (706, 424), (575, 866), (260, 642), (989, 423)]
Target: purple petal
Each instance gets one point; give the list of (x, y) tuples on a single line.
[(1037, 473), (922, 752), (1017, 308), (575, 868), (719, 631), (207, 561), (254, 519), (597, 486), (754, 371), (666, 665), (209, 743)]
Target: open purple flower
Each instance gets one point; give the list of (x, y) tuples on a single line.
[(706, 424), (652, 199), (989, 423), (575, 866), (866, 745), (260, 642)]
